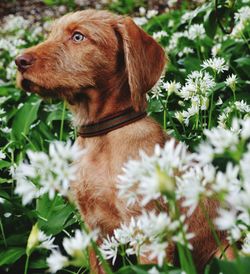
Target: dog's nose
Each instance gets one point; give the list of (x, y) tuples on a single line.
[(24, 61)]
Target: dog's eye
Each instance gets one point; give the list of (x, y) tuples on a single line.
[(78, 37)]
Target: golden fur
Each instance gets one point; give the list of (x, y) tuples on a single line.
[(109, 71)]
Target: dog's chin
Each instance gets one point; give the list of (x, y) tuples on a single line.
[(62, 93), (30, 86)]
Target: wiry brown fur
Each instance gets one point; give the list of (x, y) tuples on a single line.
[(111, 70)]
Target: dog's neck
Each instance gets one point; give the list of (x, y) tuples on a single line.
[(97, 103)]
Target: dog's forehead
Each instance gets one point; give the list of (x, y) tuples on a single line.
[(88, 19)]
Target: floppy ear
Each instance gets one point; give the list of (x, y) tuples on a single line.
[(144, 59)]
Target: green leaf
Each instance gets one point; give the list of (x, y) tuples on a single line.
[(210, 24), (39, 263), (243, 61), (143, 269), (11, 255), (4, 164), (132, 270), (53, 214), (26, 115), (4, 194), (241, 266), (192, 63)]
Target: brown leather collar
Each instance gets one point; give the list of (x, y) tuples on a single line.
[(110, 123)]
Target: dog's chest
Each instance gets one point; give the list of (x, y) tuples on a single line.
[(95, 188)]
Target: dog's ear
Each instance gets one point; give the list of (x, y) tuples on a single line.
[(144, 59)]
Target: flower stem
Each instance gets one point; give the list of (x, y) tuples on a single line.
[(3, 234), (211, 110), (184, 253), (165, 119), (26, 264), (104, 263), (62, 120)]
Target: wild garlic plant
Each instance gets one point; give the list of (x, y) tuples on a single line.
[(219, 169), (47, 173)]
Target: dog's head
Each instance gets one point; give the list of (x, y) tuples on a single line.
[(88, 49)]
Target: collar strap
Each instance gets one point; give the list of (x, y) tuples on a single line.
[(110, 123)]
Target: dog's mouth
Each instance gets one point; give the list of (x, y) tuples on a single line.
[(33, 87), (56, 93)]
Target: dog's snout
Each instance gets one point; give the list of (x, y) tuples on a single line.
[(24, 61)]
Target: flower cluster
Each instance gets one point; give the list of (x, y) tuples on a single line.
[(47, 173), (242, 17), (173, 173), (146, 179), (76, 251), (147, 235), (17, 33), (197, 89)]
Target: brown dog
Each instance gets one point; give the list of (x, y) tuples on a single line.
[(103, 65)]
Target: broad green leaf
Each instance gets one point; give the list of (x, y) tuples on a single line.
[(26, 115), (39, 263), (11, 255), (210, 24), (241, 266), (53, 214), (4, 164), (243, 61)]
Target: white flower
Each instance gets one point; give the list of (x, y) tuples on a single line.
[(56, 261), (158, 35), (109, 248), (79, 242), (245, 131), (226, 219), (185, 51), (144, 236), (38, 238), (142, 11), (11, 71), (219, 102), (217, 64), (192, 185), (156, 251), (153, 270), (174, 40), (171, 87), (47, 173), (172, 3), (242, 106), (179, 116), (196, 31), (140, 21), (46, 241), (151, 13), (216, 49), (231, 81), (198, 82), (156, 93), (6, 130), (144, 179), (227, 181), (243, 14), (13, 23), (26, 190), (245, 249), (2, 155), (221, 139)]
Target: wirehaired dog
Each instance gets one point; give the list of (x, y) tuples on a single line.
[(103, 65)]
